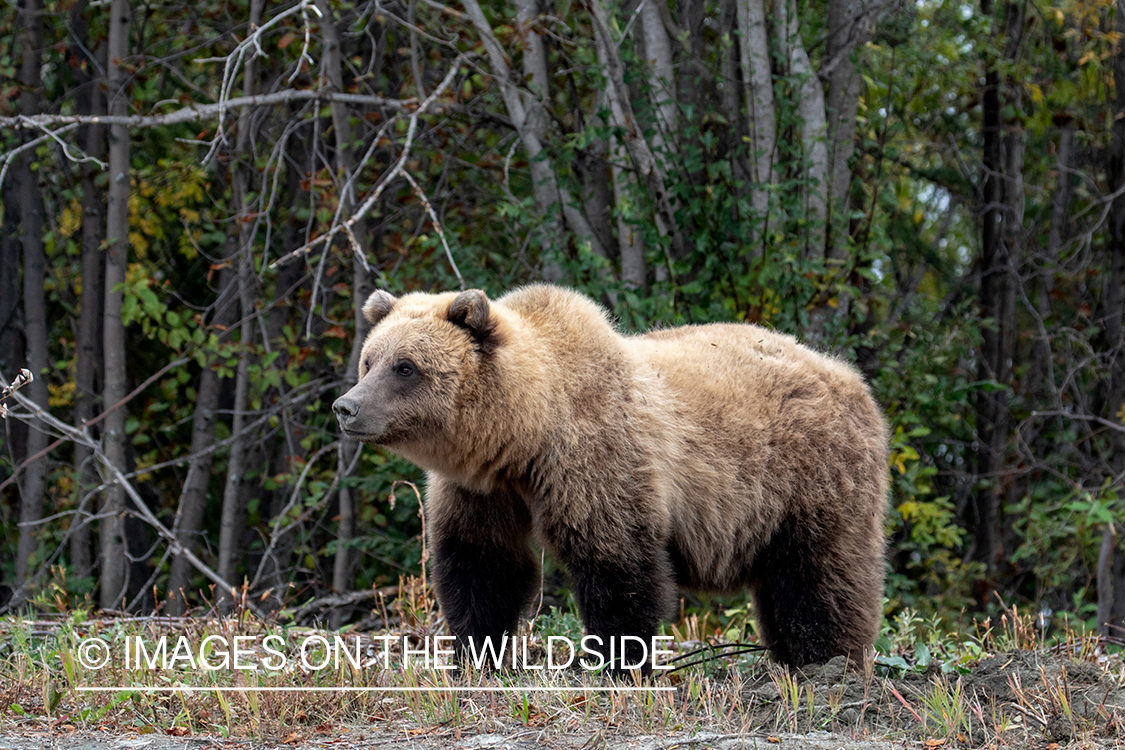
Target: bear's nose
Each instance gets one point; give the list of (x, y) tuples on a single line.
[(345, 408)]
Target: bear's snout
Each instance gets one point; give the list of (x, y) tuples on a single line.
[(346, 409), (348, 415), (359, 418)]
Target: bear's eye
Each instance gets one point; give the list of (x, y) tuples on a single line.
[(405, 369)]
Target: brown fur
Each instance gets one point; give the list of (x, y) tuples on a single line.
[(718, 457)]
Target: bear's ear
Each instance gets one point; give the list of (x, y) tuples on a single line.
[(471, 311), (378, 305)]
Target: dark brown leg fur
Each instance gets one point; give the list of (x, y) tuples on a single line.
[(625, 595), (813, 601), (484, 572)]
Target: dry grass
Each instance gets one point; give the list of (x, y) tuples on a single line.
[(1023, 694)]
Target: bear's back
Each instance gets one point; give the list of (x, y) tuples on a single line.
[(724, 365)]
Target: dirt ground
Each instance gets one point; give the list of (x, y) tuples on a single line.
[(1017, 699), (525, 740)]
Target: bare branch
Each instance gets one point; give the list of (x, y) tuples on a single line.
[(22, 378), (11, 155), (389, 175), (437, 224), (193, 112)]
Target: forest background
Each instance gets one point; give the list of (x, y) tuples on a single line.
[(197, 197)]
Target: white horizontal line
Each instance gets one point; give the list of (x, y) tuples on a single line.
[(483, 689)]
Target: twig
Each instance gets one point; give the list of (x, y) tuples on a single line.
[(11, 155), (193, 112), (340, 600), (437, 224), (277, 532), (22, 378), (79, 435), (233, 61), (136, 392)]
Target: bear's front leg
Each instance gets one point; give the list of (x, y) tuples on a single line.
[(626, 593), (484, 572)]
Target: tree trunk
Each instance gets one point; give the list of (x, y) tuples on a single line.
[(1111, 559), (757, 82), (1002, 198), (813, 124), (592, 166), (630, 244), (728, 66), (847, 31), (112, 523), (13, 352), (662, 75), (347, 164), (193, 497), (231, 522), (88, 371), (545, 186), (621, 109), (534, 59), (289, 275), (33, 489)]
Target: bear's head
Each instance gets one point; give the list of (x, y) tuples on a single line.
[(422, 355)]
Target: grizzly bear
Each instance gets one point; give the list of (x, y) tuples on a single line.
[(719, 458)]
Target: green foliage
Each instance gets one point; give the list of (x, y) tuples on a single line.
[(900, 304)]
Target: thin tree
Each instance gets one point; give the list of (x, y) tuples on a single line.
[(230, 527), (34, 486), (112, 520), (88, 369), (347, 166), (1111, 557)]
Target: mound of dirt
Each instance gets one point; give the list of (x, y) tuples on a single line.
[(1040, 696)]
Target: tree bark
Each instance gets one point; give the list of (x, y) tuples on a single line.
[(534, 58), (88, 370), (757, 82), (193, 496), (1002, 214), (1111, 558), (231, 521), (814, 150), (662, 75), (630, 244), (347, 164), (728, 65), (111, 526), (621, 109), (545, 186), (848, 29), (813, 124), (592, 165), (13, 352), (34, 486)]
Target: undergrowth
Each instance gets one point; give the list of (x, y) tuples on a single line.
[(1001, 681)]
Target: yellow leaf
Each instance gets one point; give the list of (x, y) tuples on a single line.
[(60, 395)]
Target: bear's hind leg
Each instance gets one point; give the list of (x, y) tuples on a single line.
[(483, 569), (816, 598)]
